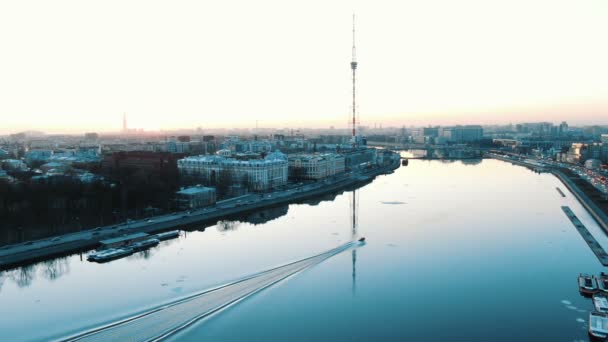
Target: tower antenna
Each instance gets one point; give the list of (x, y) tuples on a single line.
[(353, 66)]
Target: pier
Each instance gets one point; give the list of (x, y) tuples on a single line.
[(586, 235)]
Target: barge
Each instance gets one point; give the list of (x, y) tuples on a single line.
[(598, 325), (587, 284), (110, 254)]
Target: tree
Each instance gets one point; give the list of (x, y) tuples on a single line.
[(224, 180)]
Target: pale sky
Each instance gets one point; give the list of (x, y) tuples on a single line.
[(73, 66)]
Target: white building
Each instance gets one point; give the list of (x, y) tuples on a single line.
[(260, 175), (316, 166)]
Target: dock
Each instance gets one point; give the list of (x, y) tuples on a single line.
[(586, 235)]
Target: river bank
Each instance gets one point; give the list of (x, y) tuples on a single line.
[(584, 196), (32, 251)]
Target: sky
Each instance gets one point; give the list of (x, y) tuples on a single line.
[(73, 66)]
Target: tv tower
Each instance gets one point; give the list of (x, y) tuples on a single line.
[(353, 67), (124, 122)]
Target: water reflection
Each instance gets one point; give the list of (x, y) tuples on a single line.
[(23, 276), (225, 226), (354, 221), (53, 269)]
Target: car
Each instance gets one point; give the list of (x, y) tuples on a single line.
[(97, 229), (56, 239), (150, 221)]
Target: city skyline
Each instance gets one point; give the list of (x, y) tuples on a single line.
[(281, 65)]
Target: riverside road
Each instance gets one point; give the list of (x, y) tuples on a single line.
[(30, 251)]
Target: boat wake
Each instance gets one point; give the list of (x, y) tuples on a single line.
[(168, 319)]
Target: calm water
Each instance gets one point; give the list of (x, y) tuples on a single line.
[(454, 251)]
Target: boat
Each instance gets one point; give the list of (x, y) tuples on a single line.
[(587, 284), (602, 282), (362, 239), (110, 254), (145, 244), (600, 302), (598, 325), (167, 235)]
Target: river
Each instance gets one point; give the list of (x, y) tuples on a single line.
[(474, 250)]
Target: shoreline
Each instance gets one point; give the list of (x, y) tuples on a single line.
[(32, 251), (597, 213)]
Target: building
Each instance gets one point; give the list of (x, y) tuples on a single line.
[(4, 154), (563, 129), (195, 197), (360, 158), (162, 164), (38, 156), (14, 165), (462, 134), (260, 175), (316, 166), (430, 131), (91, 136)]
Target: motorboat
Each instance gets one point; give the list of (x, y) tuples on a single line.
[(587, 284)]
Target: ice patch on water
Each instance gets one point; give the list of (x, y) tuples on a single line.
[(566, 302), (581, 310), (571, 307), (393, 202), (391, 245), (580, 320), (176, 289)]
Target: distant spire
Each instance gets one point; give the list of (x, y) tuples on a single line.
[(124, 122)]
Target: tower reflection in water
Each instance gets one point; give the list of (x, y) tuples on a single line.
[(354, 214)]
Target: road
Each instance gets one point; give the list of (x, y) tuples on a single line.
[(168, 319)]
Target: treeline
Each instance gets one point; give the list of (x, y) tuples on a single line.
[(62, 204)]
